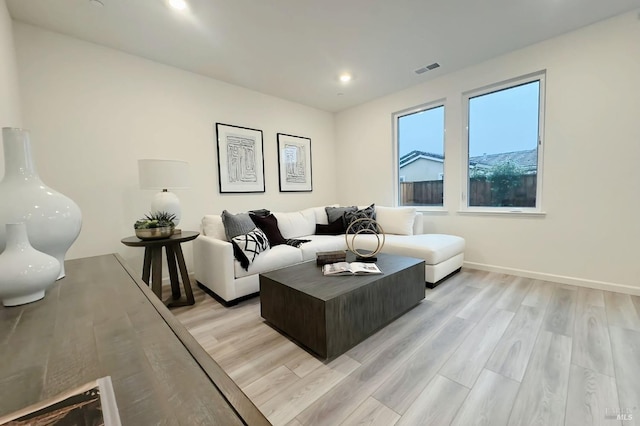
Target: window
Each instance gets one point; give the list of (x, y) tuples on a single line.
[(504, 141), (420, 148)]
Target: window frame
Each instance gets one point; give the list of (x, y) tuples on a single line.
[(539, 76), (396, 151)]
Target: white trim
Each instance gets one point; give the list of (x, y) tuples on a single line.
[(580, 282), (541, 127), (492, 212), (166, 281), (431, 209), (396, 156), (539, 76)]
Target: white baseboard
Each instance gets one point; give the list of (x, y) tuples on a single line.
[(581, 282), (166, 280)]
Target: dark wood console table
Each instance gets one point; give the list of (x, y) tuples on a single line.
[(101, 320), (175, 261)]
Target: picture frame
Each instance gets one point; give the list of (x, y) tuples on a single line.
[(240, 159), (294, 163)]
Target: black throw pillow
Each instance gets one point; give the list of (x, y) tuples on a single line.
[(334, 228), (260, 212), (269, 225)]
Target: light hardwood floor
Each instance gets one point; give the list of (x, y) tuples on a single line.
[(482, 348)]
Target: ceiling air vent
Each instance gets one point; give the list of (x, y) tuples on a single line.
[(430, 67)]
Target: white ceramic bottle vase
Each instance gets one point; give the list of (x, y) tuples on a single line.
[(25, 273), (53, 220)]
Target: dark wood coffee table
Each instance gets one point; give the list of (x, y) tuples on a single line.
[(329, 315)]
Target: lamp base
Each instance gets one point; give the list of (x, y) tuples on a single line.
[(169, 202)]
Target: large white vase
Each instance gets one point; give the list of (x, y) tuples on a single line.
[(25, 273), (53, 220)]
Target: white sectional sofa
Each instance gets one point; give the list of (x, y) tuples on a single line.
[(221, 275)]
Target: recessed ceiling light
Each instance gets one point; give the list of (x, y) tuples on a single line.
[(345, 78), (178, 4), (96, 3)]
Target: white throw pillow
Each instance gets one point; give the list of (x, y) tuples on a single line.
[(297, 224), (212, 226), (396, 220), (321, 214), (250, 245)]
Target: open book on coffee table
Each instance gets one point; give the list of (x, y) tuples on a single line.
[(91, 404), (353, 268)]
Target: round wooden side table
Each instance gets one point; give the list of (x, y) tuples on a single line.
[(175, 260)]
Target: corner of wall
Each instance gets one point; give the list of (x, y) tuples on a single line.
[(10, 115)]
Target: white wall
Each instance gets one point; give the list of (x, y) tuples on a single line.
[(591, 159), (93, 112), (9, 95)]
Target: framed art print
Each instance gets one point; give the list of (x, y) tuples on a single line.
[(240, 159), (294, 163)]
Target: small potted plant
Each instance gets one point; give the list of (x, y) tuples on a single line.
[(155, 225)]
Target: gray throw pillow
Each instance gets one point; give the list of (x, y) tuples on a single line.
[(236, 224), (335, 213)]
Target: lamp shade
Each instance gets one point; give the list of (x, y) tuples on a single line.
[(163, 174)]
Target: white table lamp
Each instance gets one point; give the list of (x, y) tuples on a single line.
[(164, 175)]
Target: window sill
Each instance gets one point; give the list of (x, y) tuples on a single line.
[(514, 212), (432, 210)]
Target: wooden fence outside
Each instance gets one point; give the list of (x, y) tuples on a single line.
[(425, 193), (430, 193)]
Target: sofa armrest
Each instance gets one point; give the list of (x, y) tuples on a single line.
[(418, 224), (213, 266)]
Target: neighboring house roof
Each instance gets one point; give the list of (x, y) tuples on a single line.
[(416, 155), (527, 159)]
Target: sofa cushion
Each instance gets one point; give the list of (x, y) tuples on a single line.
[(396, 220), (321, 214), (433, 248), (236, 224), (296, 224), (333, 213), (366, 213), (274, 258), (247, 246), (269, 225), (212, 226), (321, 243), (334, 228)]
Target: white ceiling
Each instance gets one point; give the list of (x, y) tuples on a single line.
[(295, 49)]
